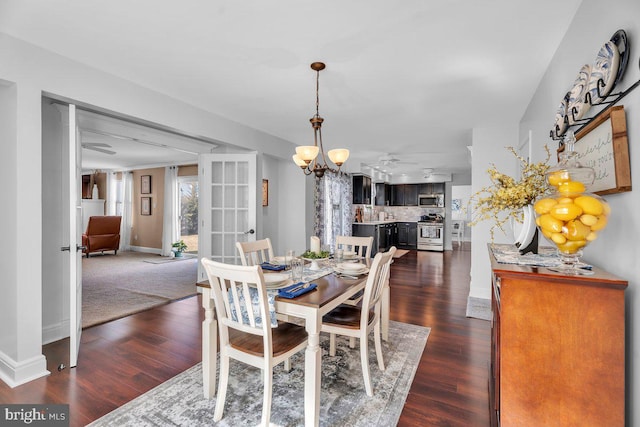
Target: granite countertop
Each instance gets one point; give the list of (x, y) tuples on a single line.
[(391, 221)]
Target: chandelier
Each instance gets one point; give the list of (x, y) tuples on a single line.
[(307, 155)]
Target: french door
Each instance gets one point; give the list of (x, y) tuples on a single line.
[(74, 151), (227, 206)]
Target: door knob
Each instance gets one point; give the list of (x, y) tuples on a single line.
[(249, 232), (80, 248)]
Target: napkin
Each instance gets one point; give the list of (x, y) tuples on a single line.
[(271, 267), (286, 292)]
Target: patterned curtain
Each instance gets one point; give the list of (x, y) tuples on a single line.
[(333, 208)]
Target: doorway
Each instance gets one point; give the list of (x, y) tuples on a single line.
[(188, 191)]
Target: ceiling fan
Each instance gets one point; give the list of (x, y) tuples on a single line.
[(98, 146), (390, 161)]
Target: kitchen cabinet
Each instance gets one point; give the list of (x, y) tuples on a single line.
[(431, 188), (382, 194), (411, 194), (557, 347), (361, 190), (365, 230), (404, 194), (407, 235)]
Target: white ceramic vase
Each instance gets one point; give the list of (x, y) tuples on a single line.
[(526, 234)]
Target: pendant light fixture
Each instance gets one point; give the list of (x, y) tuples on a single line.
[(307, 155)]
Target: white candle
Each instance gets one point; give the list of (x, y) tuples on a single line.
[(314, 245)]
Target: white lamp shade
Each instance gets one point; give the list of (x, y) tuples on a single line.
[(307, 152), (338, 156), (298, 161)]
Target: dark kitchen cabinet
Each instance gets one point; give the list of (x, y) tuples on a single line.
[(411, 195), (382, 194), (431, 188), (407, 235), (404, 194), (397, 195), (361, 190)]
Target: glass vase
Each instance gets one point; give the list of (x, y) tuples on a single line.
[(571, 217)]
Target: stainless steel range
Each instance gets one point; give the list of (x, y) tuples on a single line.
[(431, 233)]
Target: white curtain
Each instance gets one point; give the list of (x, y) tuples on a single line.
[(333, 208), (112, 188), (170, 228), (125, 229)]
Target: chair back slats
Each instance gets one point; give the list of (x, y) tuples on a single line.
[(360, 245), (255, 253), (378, 276)]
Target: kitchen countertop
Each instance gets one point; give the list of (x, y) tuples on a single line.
[(391, 221)]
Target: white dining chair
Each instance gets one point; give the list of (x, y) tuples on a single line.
[(360, 245), (359, 321), (457, 230), (248, 336), (255, 253)]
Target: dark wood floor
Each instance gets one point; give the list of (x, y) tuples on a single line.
[(122, 359)]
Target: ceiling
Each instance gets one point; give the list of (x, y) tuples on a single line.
[(404, 80)]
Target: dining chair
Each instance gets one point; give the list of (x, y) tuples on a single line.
[(255, 253), (457, 230), (360, 245), (359, 321), (244, 334)]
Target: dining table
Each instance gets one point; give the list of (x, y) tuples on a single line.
[(331, 291)]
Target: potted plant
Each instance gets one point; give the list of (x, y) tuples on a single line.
[(178, 248)]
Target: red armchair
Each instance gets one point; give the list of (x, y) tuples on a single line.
[(103, 234)]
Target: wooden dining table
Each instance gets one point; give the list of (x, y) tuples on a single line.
[(331, 291)]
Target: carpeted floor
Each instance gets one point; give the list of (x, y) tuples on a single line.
[(343, 402), (114, 286)]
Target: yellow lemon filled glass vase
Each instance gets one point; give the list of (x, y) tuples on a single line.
[(571, 217)]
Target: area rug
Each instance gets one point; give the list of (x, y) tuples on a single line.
[(479, 308), (343, 401), (400, 252), (115, 286)]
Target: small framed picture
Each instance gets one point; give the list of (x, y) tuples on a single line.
[(265, 192), (145, 206), (145, 184)]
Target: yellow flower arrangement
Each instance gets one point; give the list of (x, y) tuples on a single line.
[(506, 197)]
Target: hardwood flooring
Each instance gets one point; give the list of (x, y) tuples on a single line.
[(122, 359)]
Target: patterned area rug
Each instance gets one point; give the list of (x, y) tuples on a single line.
[(479, 308), (343, 402)]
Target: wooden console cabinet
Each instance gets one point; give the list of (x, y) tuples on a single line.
[(558, 348)]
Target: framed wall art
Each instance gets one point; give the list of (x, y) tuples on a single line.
[(145, 205), (602, 145), (265, 192), (145, 184)]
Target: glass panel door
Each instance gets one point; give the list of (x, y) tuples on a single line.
[(188, 189), (228, 200)]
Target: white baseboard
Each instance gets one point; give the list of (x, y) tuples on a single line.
[(155, 251), (15, 373), (52, 333)]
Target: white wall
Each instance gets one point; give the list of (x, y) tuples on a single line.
[(293, 199), (8, 215), (30, 72), (488, 147), (616, 249)]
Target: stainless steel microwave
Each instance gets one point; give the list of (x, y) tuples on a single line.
[(431, 200)]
